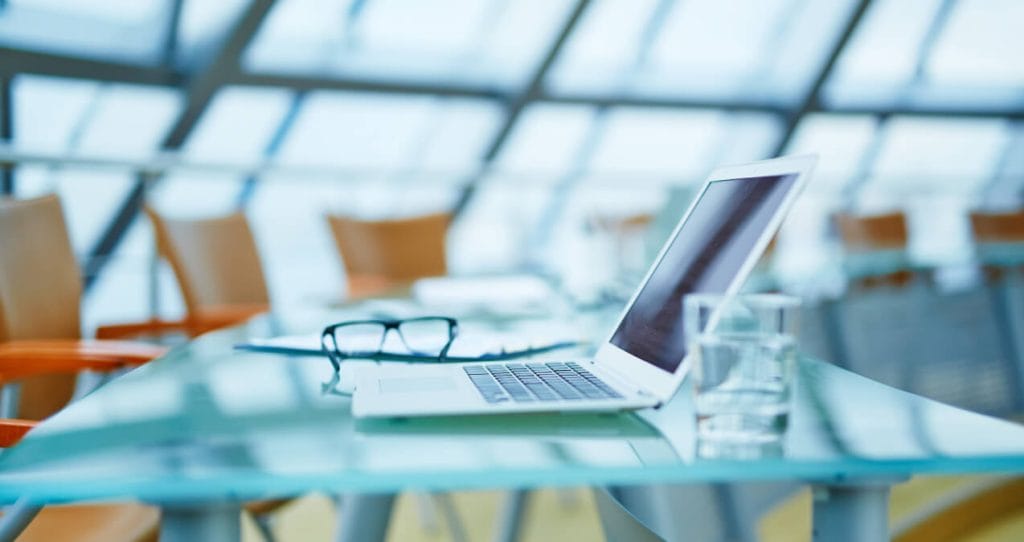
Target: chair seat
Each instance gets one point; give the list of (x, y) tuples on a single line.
[(94, 523)]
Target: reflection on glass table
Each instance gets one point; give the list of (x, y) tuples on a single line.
[(207, 426)]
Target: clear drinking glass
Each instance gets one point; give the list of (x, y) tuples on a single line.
[(744, 355)]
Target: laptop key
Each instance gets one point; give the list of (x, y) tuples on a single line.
[(527, 382)]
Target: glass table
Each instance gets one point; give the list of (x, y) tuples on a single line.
[(208, 427)]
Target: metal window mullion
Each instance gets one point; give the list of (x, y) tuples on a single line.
[(205, 84), (245, 194), (6, 133), (530, 93), (812, 99)]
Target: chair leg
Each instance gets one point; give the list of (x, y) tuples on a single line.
[(16, 518), (10, 394), (263, 523)]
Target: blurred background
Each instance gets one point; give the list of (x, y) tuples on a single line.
[(566, 137), (536, 121)]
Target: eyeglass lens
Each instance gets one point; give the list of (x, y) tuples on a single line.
[(428, 336)]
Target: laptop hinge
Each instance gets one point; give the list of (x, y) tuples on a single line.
[(623, 379)]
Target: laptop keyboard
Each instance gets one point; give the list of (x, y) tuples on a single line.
[(528, 382)]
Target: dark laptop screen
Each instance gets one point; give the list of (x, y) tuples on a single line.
[(705, 256)]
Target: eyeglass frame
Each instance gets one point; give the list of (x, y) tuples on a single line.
[(336, 356)]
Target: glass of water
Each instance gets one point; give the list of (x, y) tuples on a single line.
[(744, 355)]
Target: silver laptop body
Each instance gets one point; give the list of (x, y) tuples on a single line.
[(643, 362)]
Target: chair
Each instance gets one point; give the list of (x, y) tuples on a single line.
[(999, 241), (40, 343), (218, 269), (128, 522), (875, 249), (382, 255), (40, 291)]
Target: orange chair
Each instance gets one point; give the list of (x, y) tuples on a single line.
[(382, 255), (998, 227), (216, 264), (999, 238), (41, 349), (40, 291), (93, 523), (865, 236)]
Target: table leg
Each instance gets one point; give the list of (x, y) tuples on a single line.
[(16, 518), (200, 522), (510, 518), (364, 517), (851, 512)]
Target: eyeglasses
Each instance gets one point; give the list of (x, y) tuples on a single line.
[(426, 336)]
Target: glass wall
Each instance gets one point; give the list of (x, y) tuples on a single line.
[(559, 115)]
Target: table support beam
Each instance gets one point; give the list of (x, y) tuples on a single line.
[(200, 522), (851, 512)]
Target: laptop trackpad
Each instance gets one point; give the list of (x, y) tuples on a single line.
[(416, 384)]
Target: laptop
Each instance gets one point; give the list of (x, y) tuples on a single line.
[(644, 360)]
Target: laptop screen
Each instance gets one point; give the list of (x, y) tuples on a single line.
[(704, 257)]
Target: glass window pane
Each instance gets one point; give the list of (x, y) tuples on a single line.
[(971, 60), (840, 142), (47, 110), (361, 130), (884, 48), (203, 25), (300, 259), (546, 139), (701, 49), (980, 45), (1006, 190), (458, 41), (128, 121), (237, 127), (654, 141), (492, 234), (116, 29), (938, 155), (64, 116)]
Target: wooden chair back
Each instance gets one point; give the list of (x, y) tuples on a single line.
[(861, 235), (215, 261), (998, 227), (40, 292), (870, 233), (999, 242), (390, 251)]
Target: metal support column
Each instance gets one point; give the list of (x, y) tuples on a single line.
[(364, 517), (201, 522), (6, 134), (16, 518), (851, 512), (510, 518)]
